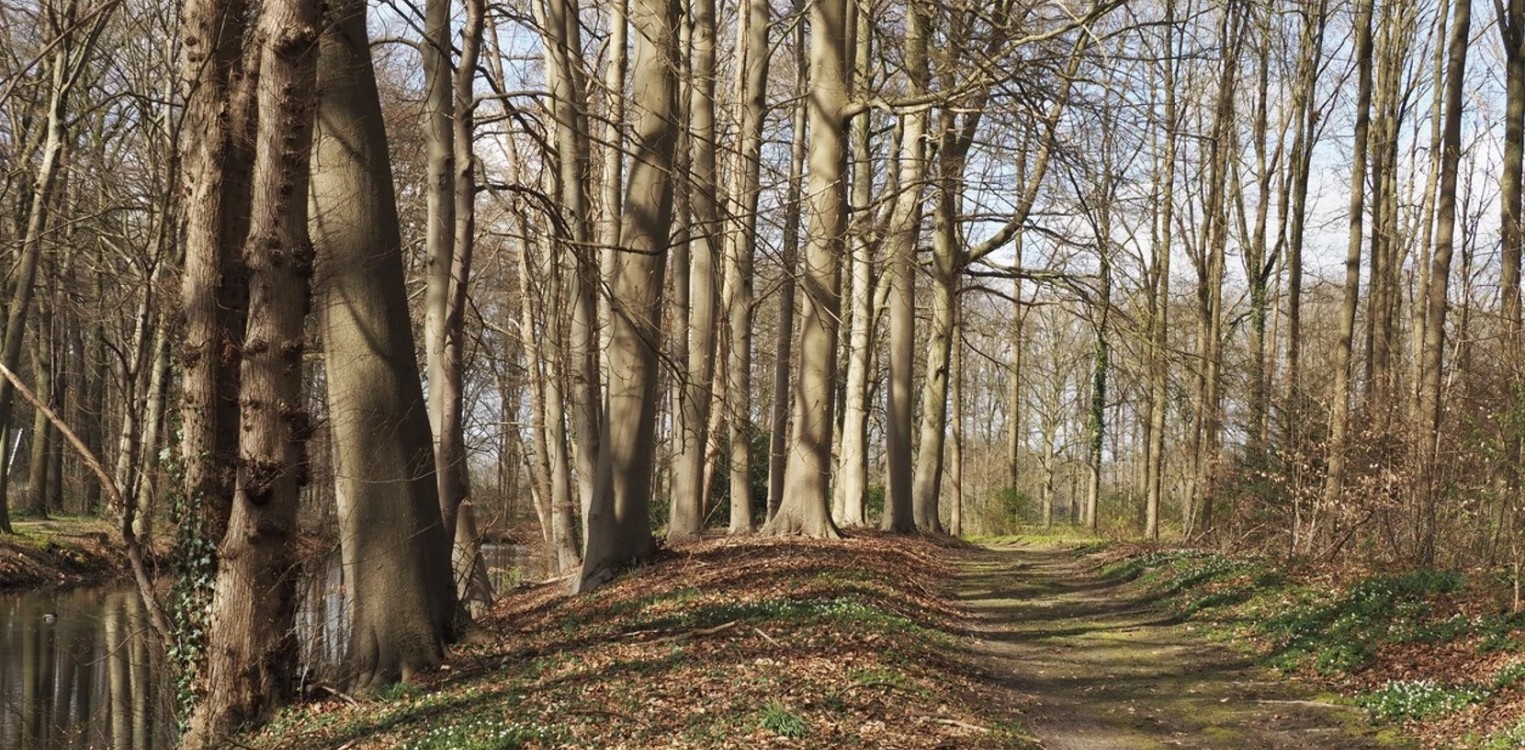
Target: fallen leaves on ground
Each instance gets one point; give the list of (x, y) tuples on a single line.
[(722, 643)]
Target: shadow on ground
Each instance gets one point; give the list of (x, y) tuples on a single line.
[(1094, 666)]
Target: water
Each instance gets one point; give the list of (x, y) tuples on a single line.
[(78, 672)]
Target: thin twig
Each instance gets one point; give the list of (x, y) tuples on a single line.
[(130, 540)]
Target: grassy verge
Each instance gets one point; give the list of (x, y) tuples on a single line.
[(719, 644), (63, 550), (1435, 651)]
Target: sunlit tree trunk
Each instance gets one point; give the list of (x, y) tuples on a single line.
[(689, 491), (251, 642), (852, 464), (900, 255), (751, 103), (395, 548), (1440, 273), (806, 507), (778, 449), (619, 529)]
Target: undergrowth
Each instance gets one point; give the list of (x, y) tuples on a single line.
[(1371, 636)]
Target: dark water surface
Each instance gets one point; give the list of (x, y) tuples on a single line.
[(78, 671)]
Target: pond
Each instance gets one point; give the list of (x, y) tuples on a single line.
[(78, 672)]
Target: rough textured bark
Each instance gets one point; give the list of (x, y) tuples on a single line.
[(215, 162), (619, 529), (251, 639), (396, 553), (806, 506)]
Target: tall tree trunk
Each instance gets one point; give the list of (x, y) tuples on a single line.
[(619, 528), (778, 449), (852, 465), (472, 584), (1440, 273), (1303, 105), (395, 548), (435, 52), (251, 641), (903, 233), (1511, 20), (689, 491), (1339, 418), (1159, 380), (751, 104), (806, 505), (216, 159)]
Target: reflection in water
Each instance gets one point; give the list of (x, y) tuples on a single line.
[(77, 670)]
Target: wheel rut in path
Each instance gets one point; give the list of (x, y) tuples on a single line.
[(1093, 665)]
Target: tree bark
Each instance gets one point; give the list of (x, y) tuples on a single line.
[(806, 507), (1440, 273), (778, 451), (619, 528), (903, 232), (852, 464), (751, 105), (689, 493), (251, 641), (396, 552)]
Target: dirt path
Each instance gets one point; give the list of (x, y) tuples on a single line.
[(1095, 667)]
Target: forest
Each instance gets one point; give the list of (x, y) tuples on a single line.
[(612, 278)]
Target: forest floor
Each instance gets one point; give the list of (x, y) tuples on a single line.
[(895, 642), (60, 551), (1096, 663)]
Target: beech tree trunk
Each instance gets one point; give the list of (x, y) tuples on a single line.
[(689, 492), (806, 507), (751, 105), (903, 232), (618, 523), (778, 449), (396, 551)]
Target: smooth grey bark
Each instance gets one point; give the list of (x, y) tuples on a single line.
[(806, 507), (1339, 417), (619, 528), (689, 491), (852, 464), (778, 453), (473, 586), (751, 106), (903, 233), (396, 552)]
